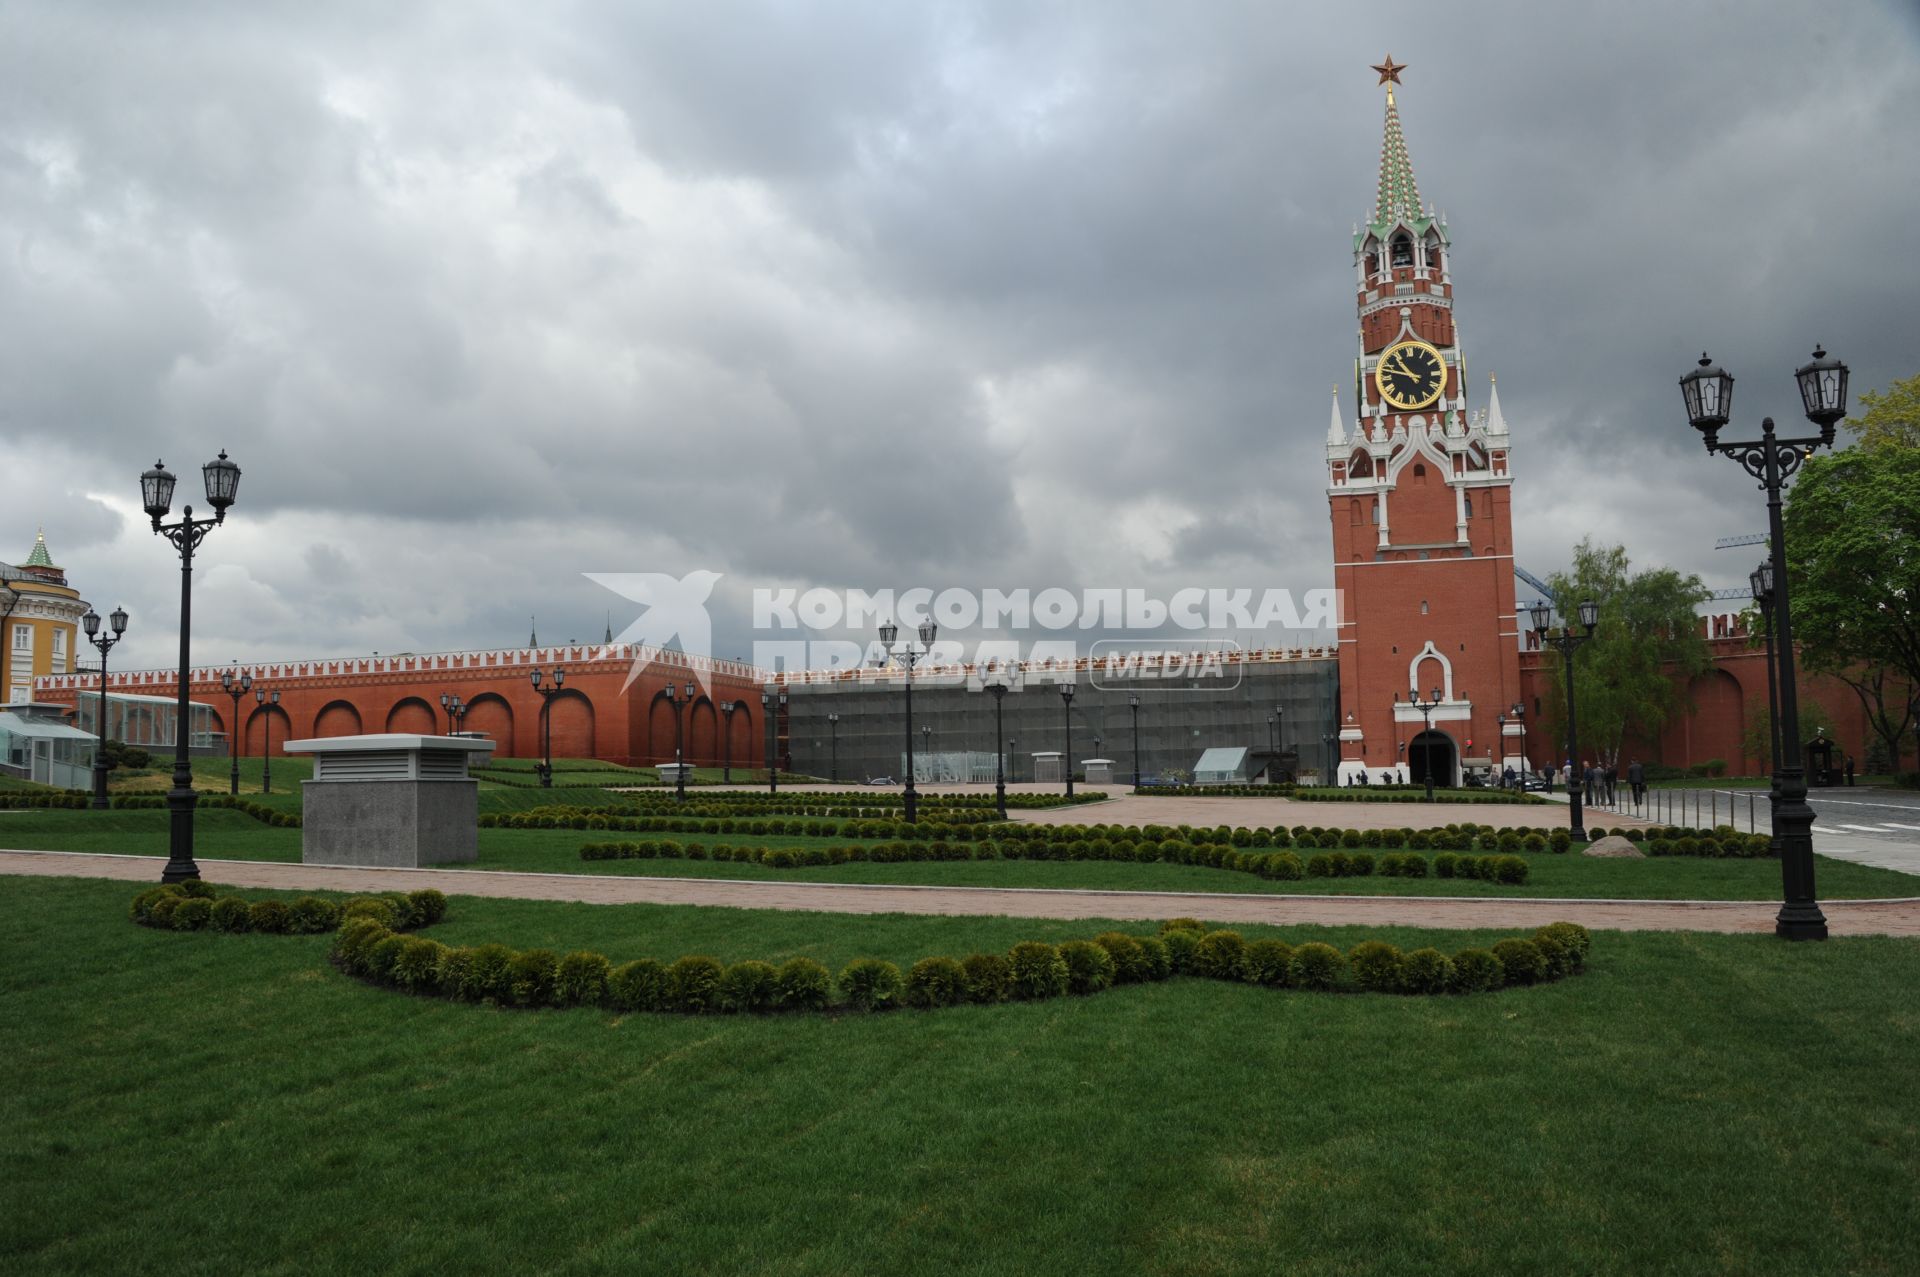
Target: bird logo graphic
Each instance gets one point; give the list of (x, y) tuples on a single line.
[(674, 608)]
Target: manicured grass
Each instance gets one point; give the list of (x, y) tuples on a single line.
[(231, 835), (230, 1103)]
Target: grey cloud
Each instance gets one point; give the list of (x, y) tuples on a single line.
[(880, 294)]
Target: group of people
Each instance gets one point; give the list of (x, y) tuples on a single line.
[(1601, 782)]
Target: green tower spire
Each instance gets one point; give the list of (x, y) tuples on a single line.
[(1399, 198)]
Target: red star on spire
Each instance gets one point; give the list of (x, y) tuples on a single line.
[(1390, 70)]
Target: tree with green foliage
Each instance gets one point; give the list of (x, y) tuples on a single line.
[(1853, 563), (1814, 720), (1631, 677), (1890, 416)]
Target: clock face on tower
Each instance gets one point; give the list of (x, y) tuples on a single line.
[(1410, 375)]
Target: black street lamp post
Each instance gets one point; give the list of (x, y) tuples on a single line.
[(1273, 745), (889, 634), (1280, 725), (1066, 706), (261, 696), (1133, 704), (1518, 714), (770, 704), (1426, 709), (222, 479), (997, 688), (547, 693), (456, 711), (1013, 754), (117, 622), (727, 709), (833, 766), (680, 700), (1567, 640), (1708, 392), (236, 688), (1761, 581)]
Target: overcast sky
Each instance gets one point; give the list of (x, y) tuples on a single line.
[(486, 296)]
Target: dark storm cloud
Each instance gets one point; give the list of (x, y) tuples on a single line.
[(877, 295)]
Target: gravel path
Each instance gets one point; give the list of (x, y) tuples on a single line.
[(1868, 917)]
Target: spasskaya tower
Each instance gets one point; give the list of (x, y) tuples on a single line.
[(1419, 488)]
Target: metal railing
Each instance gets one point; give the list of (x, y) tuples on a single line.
[(1692, 808)]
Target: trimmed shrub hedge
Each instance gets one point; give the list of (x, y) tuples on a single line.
[(1224, 853), (1030, 971), (76, 799), (195, 906)]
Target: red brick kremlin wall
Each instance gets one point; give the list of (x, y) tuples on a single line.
[(596, 715), (1730, 695)]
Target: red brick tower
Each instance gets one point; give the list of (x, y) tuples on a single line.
[(1420, 496)]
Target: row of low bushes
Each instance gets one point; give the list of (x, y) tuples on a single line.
[(1409, 794), (75, 800), (1284, 866), (862, 802), (195, 906), (1721, 841), (1453, 837), (1029, 971), (1216, 791)]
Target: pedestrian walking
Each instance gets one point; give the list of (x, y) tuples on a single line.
[(1637, 777), (1592, 779), (1612, 777)]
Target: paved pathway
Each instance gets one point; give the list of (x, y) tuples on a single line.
[(1884, 917), (1865, 825)]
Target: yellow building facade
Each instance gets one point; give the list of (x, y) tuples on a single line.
[(39, 623)]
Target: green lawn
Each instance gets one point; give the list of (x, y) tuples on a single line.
[(233, 836), (219, 1103)]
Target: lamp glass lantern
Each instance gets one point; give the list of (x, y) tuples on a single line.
[(1708, 392), (90, 622), (1823, 391), (1589, 613), (156, 491), (223, 482), (1542, 613), (889, 633)]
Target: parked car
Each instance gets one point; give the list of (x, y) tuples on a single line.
[(881, 780)]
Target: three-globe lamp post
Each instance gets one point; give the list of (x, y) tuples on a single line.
[(547, 692), (1066, 707), (1567, 640), (1426, 709), (908, 655), (268, 701), (680, 699), (237, 688), (117, 622), (1133, 706), (997, 688), (222, 479), (1772, 460)]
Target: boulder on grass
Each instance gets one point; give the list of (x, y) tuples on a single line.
[(1613, 846)]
